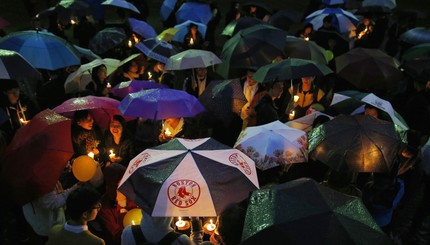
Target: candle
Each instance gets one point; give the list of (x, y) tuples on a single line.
[(296, 98), (149, 75), (191, 41), (132, 222), (167, 132), (306, 38), (180, 223), (72, 21), (108, 85), (91, 154), (130, 43), (211, 226), (21, 120), (111, 154), (291, 115)]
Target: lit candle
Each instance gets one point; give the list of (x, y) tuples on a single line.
[(149, 75), (211, 226), (72, 21), (132, 222), (167, 132), (108, 85), (180, 223), (191, 41), (130, 43), (21, 120), (306, 38), (91, 154), (296, 98), (111, 154), (291, 115)]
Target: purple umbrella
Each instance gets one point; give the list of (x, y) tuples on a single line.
[(160, 104), (124, 88), (142, 28)]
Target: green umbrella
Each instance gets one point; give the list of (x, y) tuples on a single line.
[(417, 51)]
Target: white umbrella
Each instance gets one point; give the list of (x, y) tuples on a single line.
[(192, 58), (273, 144), (343, 21), (305, 123)]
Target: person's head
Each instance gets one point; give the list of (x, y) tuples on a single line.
[(83, 204), (159, 66), (327, 21), (193, 28), (230, 224), (308, 29), (371, 111), (321, 119), (366, 21), (11, 90), (131, 66), (275, 89), (83, 119), (99, 73), (202, 72), (249, 75), (307, 81), (252, 9), (172, 120), (117, 125)]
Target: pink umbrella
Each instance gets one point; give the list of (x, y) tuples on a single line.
[(101, 108)]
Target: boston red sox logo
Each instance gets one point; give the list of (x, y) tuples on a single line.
[(183, 193), (142, 159), (238, 160)]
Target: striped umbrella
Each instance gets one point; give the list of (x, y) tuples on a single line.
[(343, 21)]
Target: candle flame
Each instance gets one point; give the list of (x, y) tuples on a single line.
[(191, 41)]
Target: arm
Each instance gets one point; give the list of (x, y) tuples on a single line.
[(55, 200)]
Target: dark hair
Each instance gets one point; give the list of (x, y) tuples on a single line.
[(193, 25), (369, 106), (308, 25), (80, 115), (328, 18), (94, 73), (320, 120), (81, 200), (121, 120)]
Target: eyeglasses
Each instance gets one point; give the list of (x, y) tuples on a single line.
[(98, 206)]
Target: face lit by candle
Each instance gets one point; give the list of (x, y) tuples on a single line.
[(211, 226), (296, 98), (180, 223), (91, 154)]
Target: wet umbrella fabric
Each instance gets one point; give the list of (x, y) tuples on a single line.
[(415, 36), (357, 143), (307, 50), (305, 123), (167, 8), (44, 144), (199, 177), (192, 58), (32, 45), (417, 51), (284, 18), (142, 28), (124, 88), (304, 212), (86, 53), (343, 21), (334, 2), (194, 11), (121, 4), (14, 66), (157, 49), (158, 104), (418, 69), (236, 25), (391, 4), (106, 39), (322, 38)]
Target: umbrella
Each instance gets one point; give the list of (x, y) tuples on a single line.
[(124, 88), (32, 45), (369, 69), (322, 38), (111, 66), (158, 104), (236, 25), (357, 143), (106, 39), (417, 51), (14, 66), (417, 35), (167, 8), (304, 212), (142, 28), (195, 11), (157, 49), (183, 29), (261, 6), (101, 108), (251, 48), (200, 177), (391, 4), (273, 144), (168, 34), (343, 21), (418, 69), (222, 99), (290, 69), (192, 58), (284, 18), (37, 155), (305, 123), (334, 2), (373, 10), (307, 50), (86, 53), (121, 4), (74, 7)]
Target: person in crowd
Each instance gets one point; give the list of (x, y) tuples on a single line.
[(83, 205), (99, 85), (131, 71), (230, 224), (114, 205), (234, 13), (308, 94), (197, 84), (176, 128), (193, 39), (250, 89), (372, 111), (327, 24), (119, 142), (154, 71), (306, 32), (363, 32), (266, 110)]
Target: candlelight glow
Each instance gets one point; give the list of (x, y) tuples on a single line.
[(191, 41), (296, 98), (91, 154), (292, 115), (211, 226), (180, 223), (130, 43), (149, 75), (108, 85), (111, 154), (167, 132)]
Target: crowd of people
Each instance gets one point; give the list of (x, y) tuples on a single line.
[(93, 212)]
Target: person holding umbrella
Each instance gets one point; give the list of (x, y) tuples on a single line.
[(265, 110), (308, 93)]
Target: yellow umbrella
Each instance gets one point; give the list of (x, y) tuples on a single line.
[(168, 34)]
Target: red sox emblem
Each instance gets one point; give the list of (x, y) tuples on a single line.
[(183, 193), (238, 160), (142, 159)]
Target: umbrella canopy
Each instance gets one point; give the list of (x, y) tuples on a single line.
[(192, 58), (168, 34), (86, 53), (324, 38), (391, 4), (415, 36), (369, 69), (342, 20), (252, 48), (32, 45), (183, 29), (200, 177), (124, 88), (273, 144), (158, 104), (290, 69), (284, 18), (418, 69), (67, 10), (101, 108), (305, 123), (14, 66), (356, 143), (373, 10), (236, 25), (106, 39), (195, 11), (307, 50), (167, 8), (417, 51), (157, 49), (304, 212), (121, 4), (142, 28), (37, 155), (222, 100), (333, 2)]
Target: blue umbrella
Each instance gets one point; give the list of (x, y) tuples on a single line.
[(157, 49), (184, 28), (198, 12), (142, 28), (334, 2), (43, 50), (121, 4), (342, 20), (160, 104), (167, 8), (14, 66)]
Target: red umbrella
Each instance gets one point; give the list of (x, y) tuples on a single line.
[(37, 155), (101, 108)]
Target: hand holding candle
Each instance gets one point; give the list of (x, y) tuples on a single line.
[(180, 223), (291, 115), (108, 85), (296, 98), (149, 75), (111, 155), (167, 132), (191, 41), (211, 226)]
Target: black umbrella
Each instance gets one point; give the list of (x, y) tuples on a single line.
[(417, 51), (284, 18), (236, 25), (107, 39), (327, 38), (357, 143), (14, 66), (374, 10), (302, 49), (418, 69), (304, 212)]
